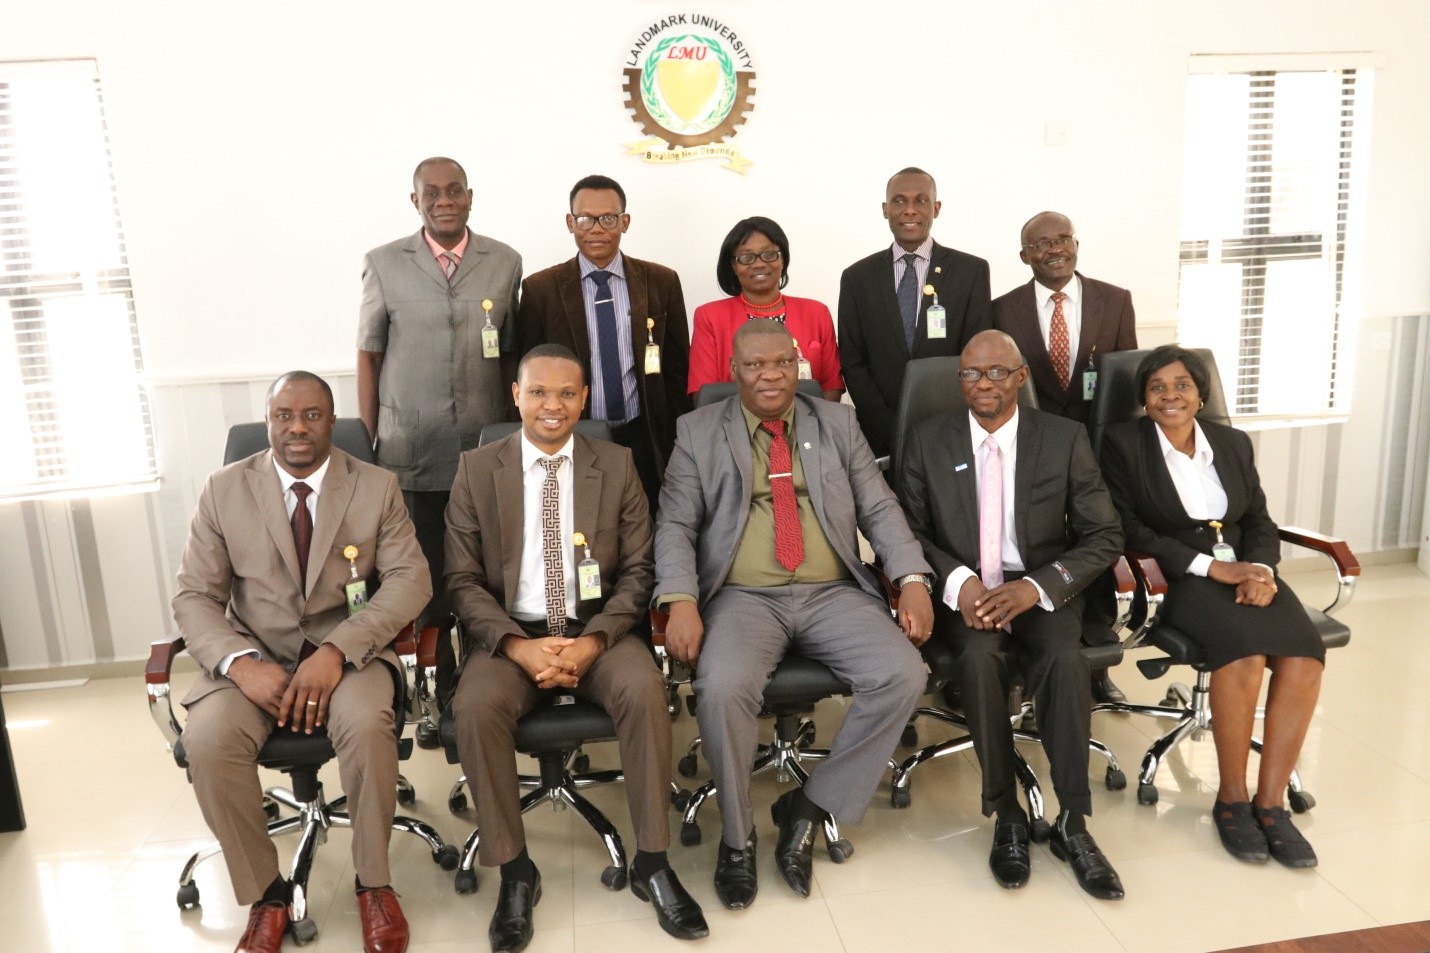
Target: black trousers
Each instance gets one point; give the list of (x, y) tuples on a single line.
[(428, 509)]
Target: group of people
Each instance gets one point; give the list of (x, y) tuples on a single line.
[(740, 519)]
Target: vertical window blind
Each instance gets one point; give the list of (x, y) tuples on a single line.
[(74, 414)]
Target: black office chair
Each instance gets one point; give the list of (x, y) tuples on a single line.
[(1117, 400)]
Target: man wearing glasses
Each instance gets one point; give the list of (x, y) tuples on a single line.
[(625, 319)]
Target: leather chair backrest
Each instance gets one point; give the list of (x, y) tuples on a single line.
[(714, 393), (1118, 399), (595, 429), (349, 435)]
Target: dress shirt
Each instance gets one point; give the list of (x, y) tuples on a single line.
[(530, 602), (1072, 314), (1198, 485), (620, 293), (438, 251), (1006, 437), (921, 265)]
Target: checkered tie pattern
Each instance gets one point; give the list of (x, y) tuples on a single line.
[(554, 546), (1058, 341), (302, 528), (449, 265), (908, 293), (789, 541), (990, 515)]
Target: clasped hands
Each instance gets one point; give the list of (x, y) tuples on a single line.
[(298, 701), (986, 609), (1255, 585), (554, 661)]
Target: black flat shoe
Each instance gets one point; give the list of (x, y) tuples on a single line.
[(1242, 837), (736, 878), (1105, 690), (677, 911), (1283, 841), (794, 852), (511, 925), (1009, 858), (1093, 871)]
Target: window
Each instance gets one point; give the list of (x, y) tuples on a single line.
[(74, 415), (1271, 191)]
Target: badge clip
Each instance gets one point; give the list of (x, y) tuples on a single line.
[(652, 349), (491, 344), (355, 592), (936, 316), (588, 571), (806, 371), (1221, 551)]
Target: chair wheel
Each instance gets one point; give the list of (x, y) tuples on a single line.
[(406, 795), (1040, 831), (581, 763), (1146, 793), (447, 857), (304, 930), (686, 766), (457, 803), (1300, 801), (1116, 779), (680, 800), (188, 896), (427, 736), (614, 878), (901, 797), (466, 881), (910, 736), (841, 850), (271, 808), (690, 834)]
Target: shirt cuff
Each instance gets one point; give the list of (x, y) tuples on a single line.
[(1269, 571), (1044, 602), (954, 585), (223, 665), (1201, 564), (665, 601)]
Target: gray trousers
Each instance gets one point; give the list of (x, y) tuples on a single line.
[(747, 633)]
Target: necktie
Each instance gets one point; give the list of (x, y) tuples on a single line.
[(302, 529), (789, 542), (449, 265), (909, 299), (1058, 341), (611, 373), (990, 515), (553, 545)]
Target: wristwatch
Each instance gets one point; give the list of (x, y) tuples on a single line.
[(914, 577)]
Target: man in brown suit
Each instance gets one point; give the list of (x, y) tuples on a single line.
[(524, 511), (599, 304), (251, 598)]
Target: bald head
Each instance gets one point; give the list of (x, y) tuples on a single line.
[(992, 402), (1048, 245)]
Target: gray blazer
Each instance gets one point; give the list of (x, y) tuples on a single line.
[(706, 498), (436, 391)]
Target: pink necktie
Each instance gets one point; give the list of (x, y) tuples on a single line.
[(1058, 349), (990, 515), (449, 265)]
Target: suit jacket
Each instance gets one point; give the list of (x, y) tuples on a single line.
[(436, 391), (706, 498), (485, 520), (1067, 529), (871, 331), (1108, 324), (552, 311), (1152, 514), (238, 585)]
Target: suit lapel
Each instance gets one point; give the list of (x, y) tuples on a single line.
[(961, 471), (1226, 461), (471, 260), (426, 262), (268, 498), (511, 513), (639, 295), (886, 292), (1092, 304), (806, 432), (1030, 445), (568, 288), (739, 437), (1027, 331), (338, 487), (586, 487), (1160, 488)]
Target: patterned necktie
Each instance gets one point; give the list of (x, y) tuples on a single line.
[(302, 522), (789, 541), (990, 515), (909, 299), (610, 373), (553, 545), (1058, 342), (449, 265)]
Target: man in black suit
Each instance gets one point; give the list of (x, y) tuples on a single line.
[(884, 303), (1013, 516), (1061, 321)]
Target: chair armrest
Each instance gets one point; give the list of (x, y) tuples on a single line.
[(1124, 592), (1153, 584), (891, 595), (659, 619), (1336, 550), (156, 684)]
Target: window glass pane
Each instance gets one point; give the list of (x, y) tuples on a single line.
[(1297, 336), (1214, 157)]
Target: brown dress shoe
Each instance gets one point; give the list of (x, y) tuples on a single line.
[(267, 922), (384, 928)]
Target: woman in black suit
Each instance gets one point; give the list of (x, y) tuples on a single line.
[(1173, 479)]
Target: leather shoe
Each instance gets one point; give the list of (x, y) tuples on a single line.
[(1093, 871), (1009, 858), (1285, 844), (267, 922), (736, 878), (511, 925), (1242, 837), (384, 928), (678, 913), (1105, 690), (794, 851)]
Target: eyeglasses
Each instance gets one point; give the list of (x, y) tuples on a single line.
[(1062, 241), (584, 223), (748, 258), (972, 375)]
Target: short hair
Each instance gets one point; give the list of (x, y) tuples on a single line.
[(300, 377), (558, 351), (912, 170), (602, 183), (1171, 354), (427, 163), (1024, 230), (754, 328), (1001, 337), (744, 228)]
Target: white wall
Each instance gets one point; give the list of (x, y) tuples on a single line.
[(260, 150)]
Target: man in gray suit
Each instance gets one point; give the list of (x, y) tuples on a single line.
[(436, 355), (756, 554)]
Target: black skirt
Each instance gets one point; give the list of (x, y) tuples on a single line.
[(1207, 612)]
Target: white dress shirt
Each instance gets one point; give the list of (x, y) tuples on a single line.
[(1072, 314), (530, 602), (1198, 486)]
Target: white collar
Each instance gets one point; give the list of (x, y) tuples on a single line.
[(530, 454), (924, 251), (1202, 454), (314, 479), (1005, 436), (1073, 290)]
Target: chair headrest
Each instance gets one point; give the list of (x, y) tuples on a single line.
[(349, 435), (714, 393), (1117, 398), (594, 429)]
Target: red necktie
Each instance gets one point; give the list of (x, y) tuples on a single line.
[(789, 542), (302, 529), (1058, 341)]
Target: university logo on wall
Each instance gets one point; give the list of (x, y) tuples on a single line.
[(689, 79)]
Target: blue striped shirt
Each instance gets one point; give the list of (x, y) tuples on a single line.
[(621, 294)]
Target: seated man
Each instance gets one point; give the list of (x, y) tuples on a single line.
[(756, 554), (264, 576), (526, 514), (1012, 513)]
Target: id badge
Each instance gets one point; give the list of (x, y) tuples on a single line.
[(356, 592), (805, 371), (588, 578), (652, 358), (1089, 384), (937, 322), (1222, 552), (491, 344)]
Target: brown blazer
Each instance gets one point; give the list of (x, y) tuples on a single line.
[(238, 583), (485, 517), (552, 312)]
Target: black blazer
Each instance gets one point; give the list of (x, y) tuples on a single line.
[(1066, 526), (1152, 515), (871, 331)]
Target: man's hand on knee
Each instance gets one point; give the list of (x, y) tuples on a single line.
[(916, 612), (684, 633), (1002, 604), (542, 660), (969, 599), (262, 683), (305, 703)]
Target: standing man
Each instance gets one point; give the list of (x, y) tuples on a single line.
[(1061, 321), (261, 580), (625, 320), (884, 305), (430, 355), (1012, 512), (524, 512), (757, 554)]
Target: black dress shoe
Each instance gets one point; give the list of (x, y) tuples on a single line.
[(1240, 834), (1285, 844), (1105, 690), (1009, 858), (1093, 871), (677, 911), (736, 879), (511, 926), (794, 851)]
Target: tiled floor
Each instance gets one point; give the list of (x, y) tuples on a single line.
[(111, 820)]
